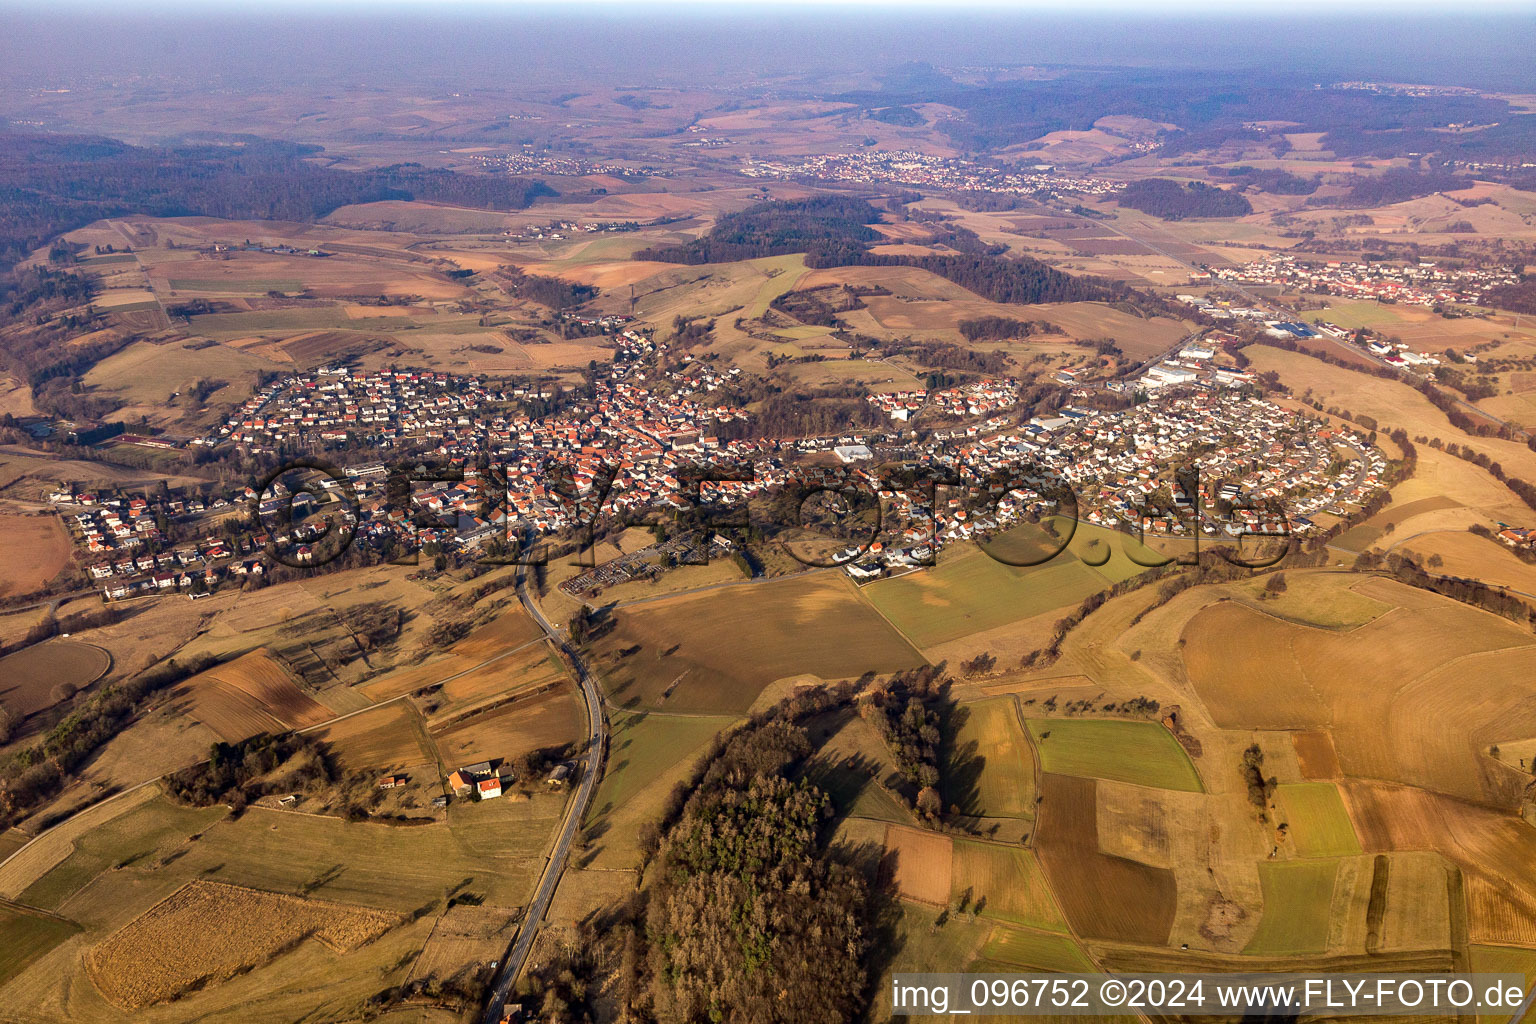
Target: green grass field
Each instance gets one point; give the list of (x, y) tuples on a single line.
[(990, 773), (1298, 896), (1318, 822), (849, 761), (1143, 753), (25, 936), (1006, 883), (648, 754), (135, 839), (973, 589), (1321, 599), (644, 746), (971, 592), (1358, 314), (922, 944), (497, 843), (1026, 947)]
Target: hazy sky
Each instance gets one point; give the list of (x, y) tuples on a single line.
[(473, 43)]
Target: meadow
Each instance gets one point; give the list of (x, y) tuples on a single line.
[(648, 754), (1298, 900), (1317, 820), (1143, 753), (990, 772)]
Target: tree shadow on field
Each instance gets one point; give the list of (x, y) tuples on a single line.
[(963, 765)]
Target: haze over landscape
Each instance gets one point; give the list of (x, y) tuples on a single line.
[(665, 513)]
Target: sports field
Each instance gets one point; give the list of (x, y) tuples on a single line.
[(1143, 753)]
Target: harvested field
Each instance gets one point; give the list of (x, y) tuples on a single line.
[(249, 695), (1393, 692), (209, 931), (511, 629), (32, 678), (1298, 896), (388, 737), (33, 549), (1494, 851), (1418, 912), (1066, 840), (1005, 882), (465, 935), (1143, 753), (1234, 654), (1469, 556), (553, 718), (1318, 823), (715, 651), (922, 864), (1315, 755)]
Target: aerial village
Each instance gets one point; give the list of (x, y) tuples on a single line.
[(1424, 283), (904, 167), (653, 418)]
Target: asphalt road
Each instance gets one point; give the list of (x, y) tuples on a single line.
[(511, 967)]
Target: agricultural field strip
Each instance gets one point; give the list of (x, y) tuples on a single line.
[(312, 728)]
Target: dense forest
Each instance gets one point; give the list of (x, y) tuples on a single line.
[(1397, 185), (747, 904), (1165, 198), (55, 183), (1211, 108), (1519, 298), (1271, 180), (834, 231), (1004, 328), (775, 229), (1021, 280), (546, 291), (901, 117)]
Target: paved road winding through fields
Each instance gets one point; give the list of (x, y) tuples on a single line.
[(597, 738)]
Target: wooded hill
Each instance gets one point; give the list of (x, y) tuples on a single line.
[(50, 184)]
